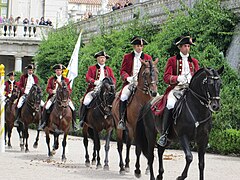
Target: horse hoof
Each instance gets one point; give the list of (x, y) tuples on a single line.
[(64, 159), (22, 148), (53, 152), (147, 172), (98, 166), (127, 169), (106, 167), (27, 151), (87, 164), (137, 173), (180, 178), (35, 145), (93, 162), (122, 172), (9, 147), (159, 177)]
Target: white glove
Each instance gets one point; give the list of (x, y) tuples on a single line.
[(97, 82), (9, 95), (130, 79), (54, 91), (182, 79)]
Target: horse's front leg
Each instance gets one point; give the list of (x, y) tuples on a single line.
[(20, 133), (26, 136), (85, 142), (107, 147), (120, 147), (35, 145), (128, 146), (188, 155), (64, 143), (202, 144), (48, 143), (97, 148), (160, 162)]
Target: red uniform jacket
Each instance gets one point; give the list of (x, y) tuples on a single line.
[(127, 65), (51, 85), (23, 81), (94, 74), (172, 70), (8, 89)]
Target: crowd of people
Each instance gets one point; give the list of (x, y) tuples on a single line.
[(11, 22), (121, 4)]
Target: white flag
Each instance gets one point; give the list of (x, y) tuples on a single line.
[(73, 64)]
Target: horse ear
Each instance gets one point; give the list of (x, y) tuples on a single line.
[(143, 62), (220, 70), (156, 61)]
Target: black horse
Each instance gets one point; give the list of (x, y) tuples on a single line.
[(193, 121), (99, 117)]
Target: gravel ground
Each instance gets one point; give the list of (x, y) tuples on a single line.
[(36, 165)]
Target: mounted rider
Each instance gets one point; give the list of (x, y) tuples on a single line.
[(51, 90), (10, 84), (131, 65), (25, 84), (94, 77), (178, 73)]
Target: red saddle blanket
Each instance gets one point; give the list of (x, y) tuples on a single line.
[(158, 105)]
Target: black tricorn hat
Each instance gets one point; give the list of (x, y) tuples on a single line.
[(30, 66), (59, 66), (101, 53), (11, 74), (184, 40), (138, 40)]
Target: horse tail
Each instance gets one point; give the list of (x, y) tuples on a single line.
[(141, 138)]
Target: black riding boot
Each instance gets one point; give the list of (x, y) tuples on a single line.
[(44, 119), (83, 113), (16, 122), (167, 122), (74, 125), (122, 109)]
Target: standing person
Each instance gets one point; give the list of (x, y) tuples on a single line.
[(10, 83), (25, 84), (131, 65), (178, 73), (51, 90), (94, 76)]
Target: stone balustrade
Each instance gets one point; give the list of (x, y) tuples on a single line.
[(155, 10), (23, 31)]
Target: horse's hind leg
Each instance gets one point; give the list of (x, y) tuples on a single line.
[(107, 146), (9, 137), (137, 171), (120, 147), (26, 136), (35, 145), (64, 143), (188, 155)]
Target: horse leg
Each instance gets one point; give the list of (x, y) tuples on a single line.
[(128, 145), (85, 142), (35, 145), (107, 147), (20, 133), (160, 162), (97, 148), (9, 137), (48, 143), (55, 143), (188, 155), (5, 134), (26, 136), (201, 157), (137, 171), (94, 153), (64, 143), (120, 147)]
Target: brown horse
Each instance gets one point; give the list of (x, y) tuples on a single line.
[(98, 118), (10, 108), (30, 113), (145, 89), (59, 120)]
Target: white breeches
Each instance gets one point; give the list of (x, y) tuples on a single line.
[(125, 93), (49, 103), (21, 101), (171, 99), (88, 98)]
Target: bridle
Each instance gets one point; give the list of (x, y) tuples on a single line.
[(34, 99), (61, 99)]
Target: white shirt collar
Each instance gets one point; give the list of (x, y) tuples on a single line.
[(137, 54), (184, 56), (101, 66), (11, 81)]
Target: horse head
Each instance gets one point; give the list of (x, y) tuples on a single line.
[(107, 91), (148, 77), (62, 94), (15, 94), (35, 96), (206, 84)]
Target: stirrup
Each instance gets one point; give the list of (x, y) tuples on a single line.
[(42, 126), (121, 125), (162, 140)]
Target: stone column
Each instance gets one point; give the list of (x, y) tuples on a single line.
[(18, 63)]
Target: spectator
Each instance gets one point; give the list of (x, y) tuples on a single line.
[(127, 3), (17, 21), (42, 21), (25, 21), (116, 6), (85, 16), (90, 15), (48, 22)]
